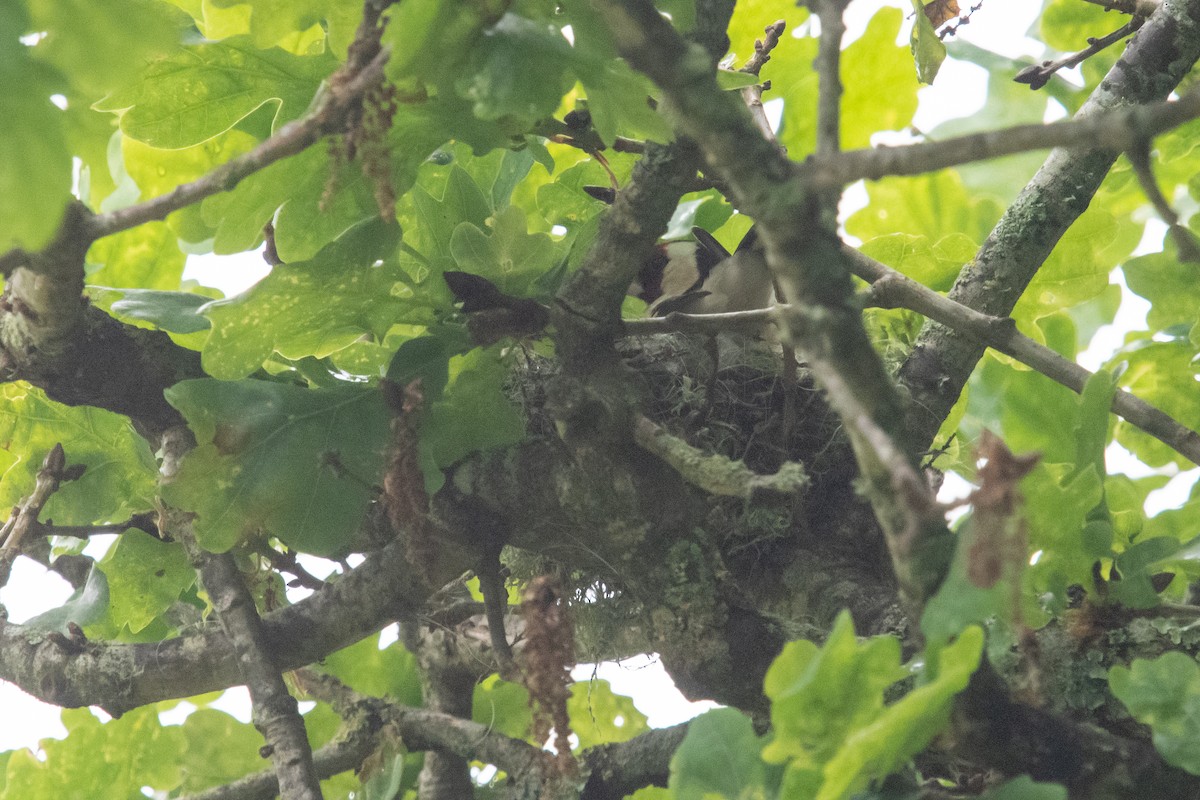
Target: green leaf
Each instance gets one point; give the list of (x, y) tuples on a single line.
[(219, 750), (120, 475), (204, 91), (157, 171), (344, 292), (86, 607), (1091, 435), (887, 101), (121, 756), (906, 727), (366, 667), (718, 757), (962, 600), (1136, 567), (386, 784), (820, 695), (508, 256), (518, 71), (35, 172), (918, 259), (599, 716), (1025, 788), (475, 414), (430, 38), (238, 216), (502, 707), (1171, 286), (428, 358), (1165, 694), (935, 205), (1058, 502), (564, 202), (1078, 267), (297, 464), (729, 79), (177, 312), (927, 48), (1163, 373), (100, 45), (1067, 26), (145, 257), (145, 577), (272, 21), (832, 730)]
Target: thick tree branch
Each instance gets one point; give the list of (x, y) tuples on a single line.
[(79, 355), (1163, 51), (611, 771), (1014, 738), (449, 673), (275, 712), (119, 677), (616, 770)]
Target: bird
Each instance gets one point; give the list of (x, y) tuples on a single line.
[(702, 277)]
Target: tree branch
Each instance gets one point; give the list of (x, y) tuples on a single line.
[(616, 770), (327, 117), (829, 79), (1116, 130), (119, 677), (25, 516), (79, 355), (1039, 75), (424, 729), (275, 712), (1152, 65), (890, 289), (342, 755), (806, 260), (893, 289), (716, 474)]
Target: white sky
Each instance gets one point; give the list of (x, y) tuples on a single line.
[(999, 25)]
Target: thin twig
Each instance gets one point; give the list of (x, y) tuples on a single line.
[(424, 729), (1116, 130), (144, 522), (1142, 8), (495, 604), (1038, 75), (762, 54), (25, 515), (1185, 241), (285, 561)]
